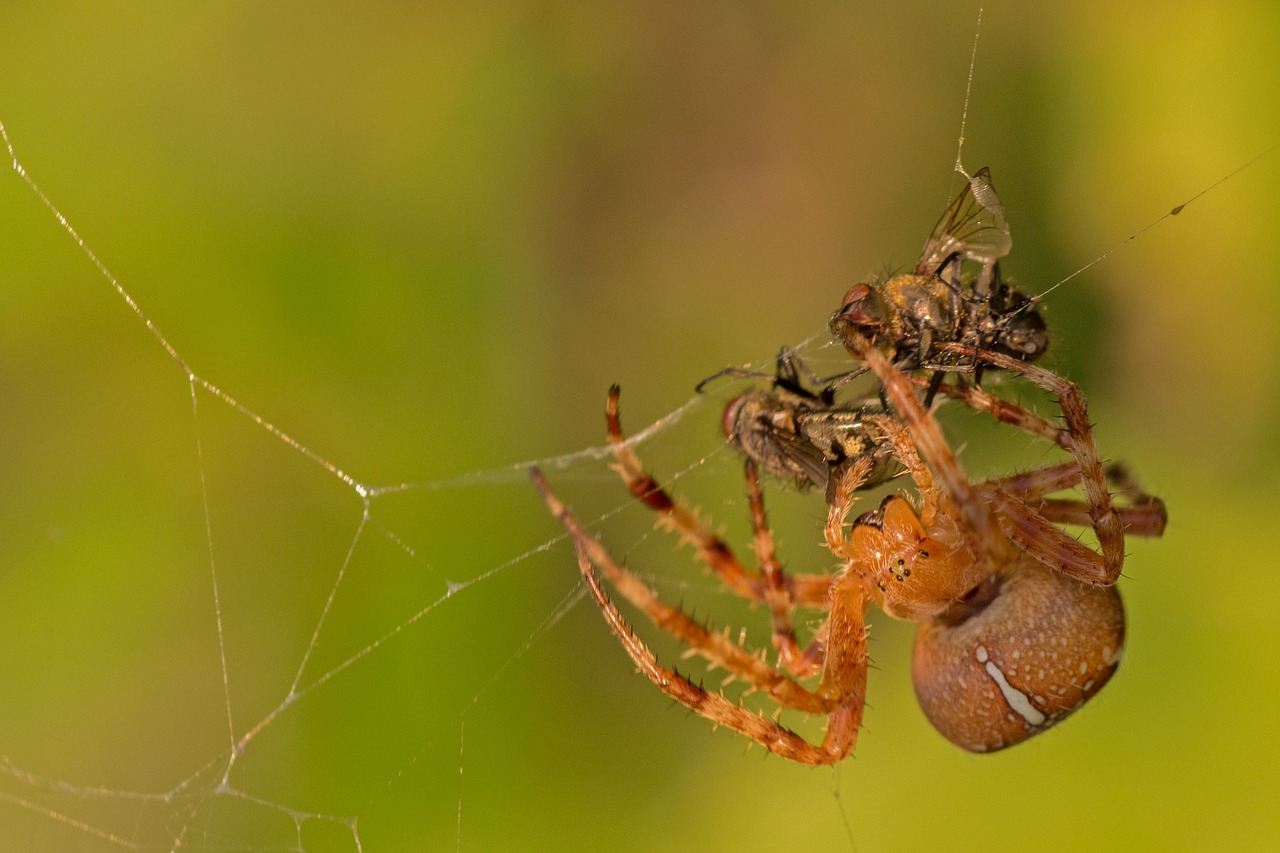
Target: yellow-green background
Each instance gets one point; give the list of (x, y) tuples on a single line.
[(422, 241)]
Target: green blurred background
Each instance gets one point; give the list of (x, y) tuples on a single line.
[(423, 241)]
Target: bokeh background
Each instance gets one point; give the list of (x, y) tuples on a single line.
[(422, 242)]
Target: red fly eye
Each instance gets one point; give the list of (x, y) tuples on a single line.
[(857, 293), (728, 421), (863, 310)]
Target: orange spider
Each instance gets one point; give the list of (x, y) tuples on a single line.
[(1019, 622)]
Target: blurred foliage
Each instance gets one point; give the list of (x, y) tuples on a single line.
[(423, 239)]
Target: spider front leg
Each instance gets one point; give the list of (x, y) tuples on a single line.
[(782, 592), (715, 647), (713, 706), (777, 593)]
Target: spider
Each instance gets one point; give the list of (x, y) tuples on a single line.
[(906, 314), (1019, 622)]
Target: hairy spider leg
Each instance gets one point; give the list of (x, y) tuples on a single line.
[(804, 590), (777, 594), (841, 694), (1145, 516), (1099, 569), (979, 530), (714, 646)]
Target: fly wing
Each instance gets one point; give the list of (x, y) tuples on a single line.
[(972, 228), (803, 455)]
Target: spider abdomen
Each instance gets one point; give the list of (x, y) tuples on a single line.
[(1031, 647)]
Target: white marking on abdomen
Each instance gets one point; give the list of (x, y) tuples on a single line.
[(1016, 699)]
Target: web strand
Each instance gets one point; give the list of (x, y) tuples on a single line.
[(1174, 211), (180, 814), (196, 384), (968, 92)]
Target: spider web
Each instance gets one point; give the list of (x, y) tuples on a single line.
[(273, 577)]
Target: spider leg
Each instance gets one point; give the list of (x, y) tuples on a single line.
[(980, 529), (715, 647), (1003, 410), (1038, 482), (1041, 538), (776, 592), (1100, 569), (842, 501), (1127, 486), (841, 731), (1141, 520), (806, 590), (841, 693), (1146, 516)]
